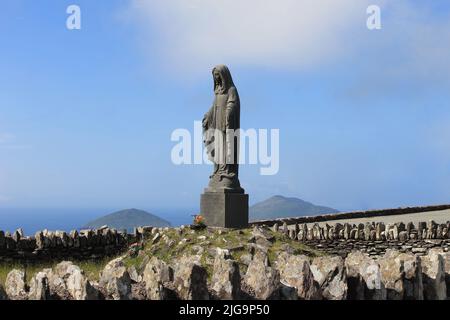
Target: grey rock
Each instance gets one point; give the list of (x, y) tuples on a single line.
[(403, 236), (15, 285), (134, 275), (364, 278), (261, 232), (116, 281), (331, 277), (380, 227), (433, 273), (263, 280), (419, 250), (246, 259), (156, 238), (157, 276), (68, 281), (401, 275), (39, 287), (347, 229), (285, 229), (295, 272), (190, 279), (446, 257), (275, 227), (226, 279)]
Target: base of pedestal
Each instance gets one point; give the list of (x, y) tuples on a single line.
[(225, 210)]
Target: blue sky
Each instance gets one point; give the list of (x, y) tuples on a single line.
[(86, 115)]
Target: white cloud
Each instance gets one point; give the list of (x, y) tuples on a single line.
[(190, 35), (272, 33)]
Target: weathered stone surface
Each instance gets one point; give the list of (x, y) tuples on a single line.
[(39, 287), (246, 259), (134, 274), (364, 277), (446, 257), (380, 227), (190, 279), (15, 285), (303, 232), (401, 275), (331, 277), (226, 279), (223, 204), (116, 281), (261, 232), (347, 229), (433, 273), (157, 276), (295, 272), (68, 281), (284, 228), (263, 280), (138, 291), (403, 236), (275, 227)]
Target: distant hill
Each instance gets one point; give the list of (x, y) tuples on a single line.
[(128, 219), (282, 207)]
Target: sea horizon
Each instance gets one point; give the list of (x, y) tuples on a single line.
[(32, 220)]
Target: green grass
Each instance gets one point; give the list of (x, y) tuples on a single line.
[(91, 268)]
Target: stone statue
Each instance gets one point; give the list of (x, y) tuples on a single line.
[(221, 136), (224, 203)]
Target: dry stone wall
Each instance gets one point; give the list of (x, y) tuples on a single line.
[(77, 245), (372, 238)]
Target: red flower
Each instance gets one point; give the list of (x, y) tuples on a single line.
[(198, 219)]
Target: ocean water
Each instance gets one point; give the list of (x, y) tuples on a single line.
[(66, 219)]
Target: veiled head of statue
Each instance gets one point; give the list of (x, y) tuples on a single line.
[(222, 79)]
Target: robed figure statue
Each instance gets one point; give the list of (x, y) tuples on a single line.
[(221, 126)]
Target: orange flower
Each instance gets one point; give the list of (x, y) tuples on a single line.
[(198, 219)]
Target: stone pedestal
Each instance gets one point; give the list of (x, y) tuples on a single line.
[(225, 210)]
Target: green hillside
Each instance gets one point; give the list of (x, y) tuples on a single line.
[(128, 219)]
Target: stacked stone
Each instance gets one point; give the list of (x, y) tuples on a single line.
[(373, 238), (59, 244), (375, 231)]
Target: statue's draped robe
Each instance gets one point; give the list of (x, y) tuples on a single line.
[(224, 117)]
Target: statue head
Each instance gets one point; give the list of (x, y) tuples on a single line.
[(222, 79)]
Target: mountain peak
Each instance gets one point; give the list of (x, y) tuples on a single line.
[(128, 219), (279, 206)]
